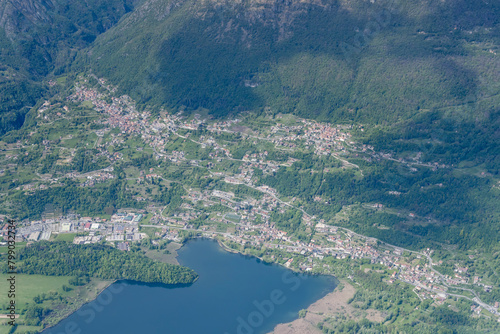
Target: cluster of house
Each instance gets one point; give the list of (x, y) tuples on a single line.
[(176, 156), (329, 242), (169, 234), (97, 177), (121, 111), (182, 218), (324, 137), (219, 127), (45, 106), (341, 244), (123, 114)]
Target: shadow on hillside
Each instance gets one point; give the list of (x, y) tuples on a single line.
[(216, 61)]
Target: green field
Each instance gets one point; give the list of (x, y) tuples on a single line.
[(61, 80), (29, 286), (4, 249), (66, 237), (87, 104)]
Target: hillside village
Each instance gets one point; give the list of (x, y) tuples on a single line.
[(245, 221)]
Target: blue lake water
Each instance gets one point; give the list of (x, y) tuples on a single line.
[(234, 294)]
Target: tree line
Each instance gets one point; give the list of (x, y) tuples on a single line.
[(100, 261)]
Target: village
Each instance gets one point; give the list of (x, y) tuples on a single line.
[(123, 228), (245, 221)]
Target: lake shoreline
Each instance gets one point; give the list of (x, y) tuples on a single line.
[(308, 324), (221, 245), (56, 320), (71, 311), (230, 250), (336, 302), (337, 298)]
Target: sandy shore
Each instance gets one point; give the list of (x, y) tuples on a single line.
[(333, 303)]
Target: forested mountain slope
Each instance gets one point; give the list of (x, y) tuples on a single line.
[(335, 60), (41, 37), (420, 70)]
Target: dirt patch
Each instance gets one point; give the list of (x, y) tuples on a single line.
[(333, 303)]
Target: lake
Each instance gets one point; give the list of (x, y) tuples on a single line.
[(234, 294)]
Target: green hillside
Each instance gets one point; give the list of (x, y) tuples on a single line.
[(39, 39), (337, 61), (423, 73), (250, 120)]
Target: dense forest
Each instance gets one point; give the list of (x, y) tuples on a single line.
[(100, 261), (85, 161), (459, 202), (41, 38), (299, 64)]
